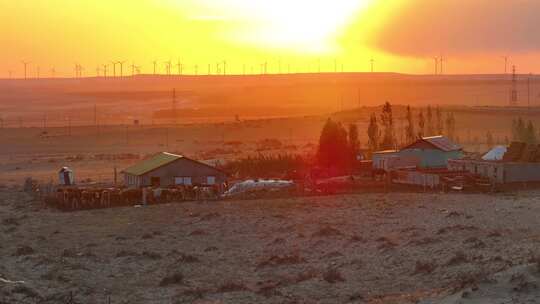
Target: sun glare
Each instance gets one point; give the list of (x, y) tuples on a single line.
[(305, 26)]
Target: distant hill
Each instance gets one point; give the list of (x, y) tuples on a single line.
[(222, 97)]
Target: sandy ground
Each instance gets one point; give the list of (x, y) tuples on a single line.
[(368, 248)]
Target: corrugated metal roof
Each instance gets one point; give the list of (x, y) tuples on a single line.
[(443, 143), (152, 163)]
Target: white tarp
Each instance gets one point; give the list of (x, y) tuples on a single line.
[(258, 185), (496, 153)]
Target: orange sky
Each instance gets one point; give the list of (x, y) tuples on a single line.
[(400, 35)]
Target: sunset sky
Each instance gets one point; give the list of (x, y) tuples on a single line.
[(400, 35)]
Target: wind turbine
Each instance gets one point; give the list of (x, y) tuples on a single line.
[(25, 63), (155, 66), (114, 63), (372, 61), (436, 64), (179, 66), (78, 70), (505, 64), (441, 66), (105, 70), (168, 67), (133, 68), (121, 63), (224, 67), (81, 69)]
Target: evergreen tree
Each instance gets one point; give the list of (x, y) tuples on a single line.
[(409, 131), (440, 123), (421, 124), (530, 133), (450, 126), (373, 133), (354, 141), (489, 139), (387, 120), (429, 121), (333, 146), (519, 130)]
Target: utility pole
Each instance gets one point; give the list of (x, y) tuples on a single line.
[(442, 59), (529, 92), (174, 106), (10, 73), (53, 72), (196, 69), (513, 92), (105, 70), (224, 67), (505, 64), (155, 66), (44, 122), (209, 69), (372, 61), (436, 65)]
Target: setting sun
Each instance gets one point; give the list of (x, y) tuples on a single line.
[(302, 26)]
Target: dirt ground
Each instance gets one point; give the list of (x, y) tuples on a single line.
[(365, 248)]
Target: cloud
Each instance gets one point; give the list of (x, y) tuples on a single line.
[(462, 27)]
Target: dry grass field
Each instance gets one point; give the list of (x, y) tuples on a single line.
[(369, 248)]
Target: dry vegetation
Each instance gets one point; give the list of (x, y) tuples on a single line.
[(368, 248)]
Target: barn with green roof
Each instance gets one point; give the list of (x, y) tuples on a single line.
[(167, 169)]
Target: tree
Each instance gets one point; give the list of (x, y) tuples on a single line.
[(354, 141), (440, 123), (421, 124), (530, 133), (387, 120), (409, 131), (333, 146), (489, 139), (451, 126), (373, 133), (429, 124), (519, 130)]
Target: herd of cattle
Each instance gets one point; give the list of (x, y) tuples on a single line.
[(75, 198)]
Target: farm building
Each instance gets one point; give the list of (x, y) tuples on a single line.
[(519, 163), (426, 153), (433, 152), (166, 169)]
